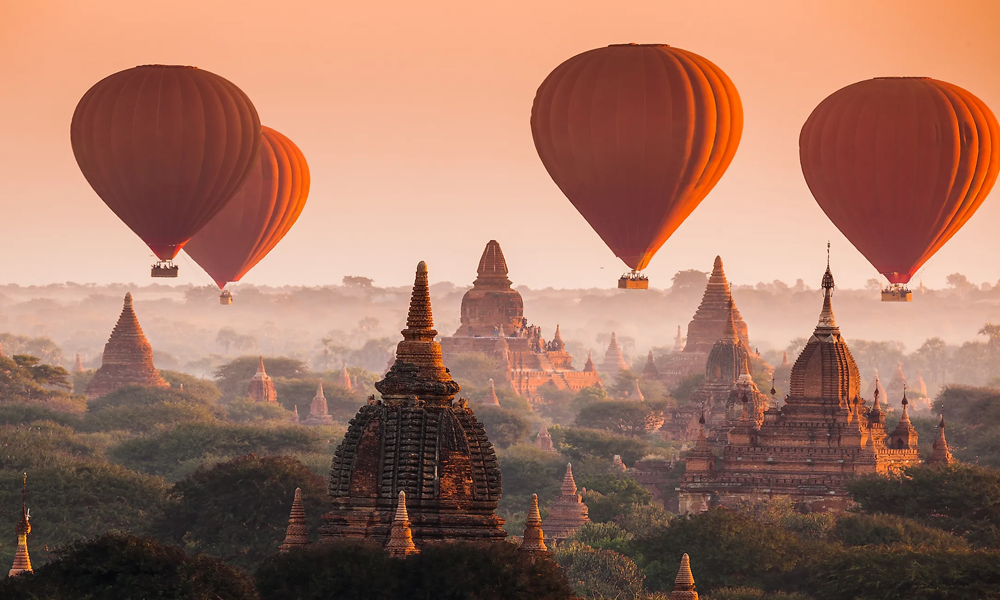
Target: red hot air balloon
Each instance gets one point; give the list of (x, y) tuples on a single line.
[(899, 164), (257, 216), (165, 147), (636, 135)]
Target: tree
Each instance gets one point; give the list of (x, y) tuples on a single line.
[(934, 353), (632, 419), (891, 530), (201, 389), (70, 501), (959, 498), (504, 427), (529, 470), (690, 283), (238, 510), (357, 282), (141, 409), (476, 368), (24, 379), (353, 570), (992, 333), (600, 573), (610, 495), (232, 377), (163, 453), (582, 444), (117, 565)]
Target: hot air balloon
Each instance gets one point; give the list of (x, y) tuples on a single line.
[(899, 164), (258, 215), (636, 135), (165, 147)]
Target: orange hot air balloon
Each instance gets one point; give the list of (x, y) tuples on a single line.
[(899, 164), (258, 215), (636, 135), (165, 147)]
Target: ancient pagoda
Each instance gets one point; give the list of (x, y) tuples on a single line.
[(613, 362), (941, 454), (260, 387), (705, 328), (297, 533), (491, 397), (493, 322), (807, 450), (417, 438), (318, 411), (533, 540), (684, 588), (649, 371), (400, 544), (543, 441), (22, 562), (567, 513), (728, 363), (78, 365), (344, 380), (128, 358)]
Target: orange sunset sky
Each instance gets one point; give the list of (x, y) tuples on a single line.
[(414, 119)]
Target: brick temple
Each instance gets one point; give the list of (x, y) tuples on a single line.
[(705, 328), (128, 358), (261, 387), (493, 323), (807, 450), (416, 439)]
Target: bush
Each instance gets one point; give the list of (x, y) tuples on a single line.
[(163, 452), (890, 530), (611, 495), (238, 510), (42, 444), (354, 570), (603, 536), (627, 418), (504, 427), (117, 566), (597, 573), (201, 389), (248, 410), (22, 414), (70, 502), (581, 444)]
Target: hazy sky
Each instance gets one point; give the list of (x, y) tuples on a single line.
[(414, 119)]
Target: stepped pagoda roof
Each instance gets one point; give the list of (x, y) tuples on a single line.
[(709, 320), (417, 438), (128, 357), (318, 410), (297, 533), (613, 361)]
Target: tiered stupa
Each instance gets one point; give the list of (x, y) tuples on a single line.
[(650, 371), (491, 397), (297, 533), (807, 450), (567, 513), (678, 341), (728, 363), (417, 438), (684, 588), (260, 387), (533, 539), (78, 365), (613, 362), (345, 379), (400, 542), (544, 440), (941, 454), (22, 562), (318, 410), (128, 358), (705, 328), (492, 322)]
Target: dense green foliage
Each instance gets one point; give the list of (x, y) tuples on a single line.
[(503, 426), (960, 499), (581, 444), (610, 495), (238, 510), (628, 418), (351, 570), (162, 453), (599, 573), (24, 378), (117, 566), (231, 378), (143, 409)]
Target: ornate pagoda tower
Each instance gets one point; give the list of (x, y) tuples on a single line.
[(809, 448), (417, 438), (567, 513), (261, 388), (128, 358), (318, 411), (649, 371), (22, 562), (705, 328), (297, 532), (613, 361)]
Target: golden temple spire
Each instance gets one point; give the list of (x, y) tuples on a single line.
[(941, 454), (569, 484), (684, 588), (22, 562), (297, 533), (533, 539), (400, 542), (826, 319)]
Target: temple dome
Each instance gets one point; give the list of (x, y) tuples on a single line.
[(825, 368), (729, 358)]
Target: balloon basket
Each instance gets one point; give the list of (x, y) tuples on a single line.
[(164, 268), (633, 281), (897, 293), (226, 298)]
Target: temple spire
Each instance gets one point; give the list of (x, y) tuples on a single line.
[(684, 588), (636, 394), (400, 542), (319, 412), (492, 398), (589, 365), (784, 359), (941, 454), (568, 484), (533, 539), (297, 533), (729, 330), (826, 319), (679, 341), (261, 387), (22, 562), (345, 378), (127, 358), (492, 266), (78, 365)]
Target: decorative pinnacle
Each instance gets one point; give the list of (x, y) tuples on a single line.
[(684, 582), (420, 321), (557, 335), (717, 268), (729, 331), (773, 391), (260, 367), (568, 484), (826, 319)]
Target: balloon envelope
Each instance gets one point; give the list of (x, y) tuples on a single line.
[(258, 215), (165, 147), (636, 136), (899, 164)]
